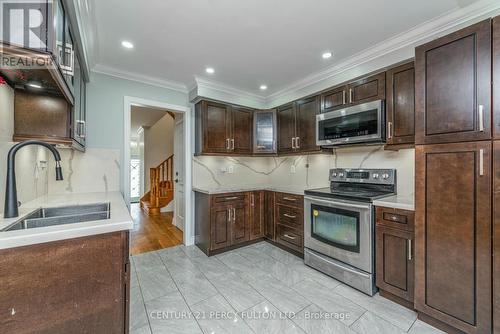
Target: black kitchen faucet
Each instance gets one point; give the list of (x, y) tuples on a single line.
[(11, 204)]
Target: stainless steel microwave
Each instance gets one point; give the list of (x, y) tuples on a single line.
[(363, 123)]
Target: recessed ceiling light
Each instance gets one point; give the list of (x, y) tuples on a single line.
[(263, 87), (210, 70), (127, 44), (35, 84), (327, 55)]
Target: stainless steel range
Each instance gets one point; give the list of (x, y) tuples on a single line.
[(340, 225)]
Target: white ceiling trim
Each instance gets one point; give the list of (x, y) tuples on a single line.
[(394, 49), (220, 91), (172, 85), (418, 35)]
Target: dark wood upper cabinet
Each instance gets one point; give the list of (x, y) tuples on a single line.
[(216, 124), (334, 99), (367, 89), (242, 130), (400, 104), (257, 214), (265, 126), (453, 87), (496, 78), (453, 234), (307, 109), (286, 128), (297, 126)]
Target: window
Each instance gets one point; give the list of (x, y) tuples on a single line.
[(135, 179)]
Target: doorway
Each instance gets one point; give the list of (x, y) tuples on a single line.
[(154, 182)]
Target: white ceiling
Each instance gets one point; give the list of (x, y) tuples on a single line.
[(248, 43), (143, 116)]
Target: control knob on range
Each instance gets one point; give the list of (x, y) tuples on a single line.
[(375, 176), (385, 176), (341, 174), (334, 174)]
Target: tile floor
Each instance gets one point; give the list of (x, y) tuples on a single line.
[(255, 289)]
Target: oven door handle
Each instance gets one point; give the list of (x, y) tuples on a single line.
[(348, 205)]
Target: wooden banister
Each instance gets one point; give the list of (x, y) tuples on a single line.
[(161, 181)]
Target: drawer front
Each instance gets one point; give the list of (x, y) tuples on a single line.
[(228, 198), (395, 218), (290, 216), (289, 237), (290, 199)]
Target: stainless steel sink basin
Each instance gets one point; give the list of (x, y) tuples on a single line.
[(62, 215)]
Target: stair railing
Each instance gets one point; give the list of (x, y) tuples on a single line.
[(161, 180)]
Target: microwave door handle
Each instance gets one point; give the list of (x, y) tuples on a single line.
[(347, 205)]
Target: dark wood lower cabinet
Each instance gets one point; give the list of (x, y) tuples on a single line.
[(453, 234), (496, 236), (237, 219), (240, 222), (257, 214), (71, 286), (269, 215), (394, 258)]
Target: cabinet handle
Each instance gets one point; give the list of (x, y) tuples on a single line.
[(350, 95), (230, 198), (289, 216), (229, 215), (481, 162), (232, 144), (297, 142), (481, 117), (289, 236), (80, 129), (291, 199), (410, 257), (389, 130), (234, 215), (228, 144), (252, 200), (343, 97), (293, 143)]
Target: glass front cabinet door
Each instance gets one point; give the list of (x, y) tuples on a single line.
[(265, 132)]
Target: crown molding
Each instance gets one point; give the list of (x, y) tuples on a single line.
[(205, 88), (172, 85), (424, 32)]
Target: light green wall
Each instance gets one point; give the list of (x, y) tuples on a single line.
[(105, 116), (105, 107)]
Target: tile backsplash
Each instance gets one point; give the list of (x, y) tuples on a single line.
[(301, 172)]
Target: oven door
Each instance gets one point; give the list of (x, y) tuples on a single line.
[(356, 124), (342, 230)]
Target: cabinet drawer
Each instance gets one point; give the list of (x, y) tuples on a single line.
[(290, 216), (290, 199), (228, 198), (395, 218), (289, 237)]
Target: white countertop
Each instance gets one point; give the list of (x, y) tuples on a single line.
[(396, 202), (222, 190), (120, 220)]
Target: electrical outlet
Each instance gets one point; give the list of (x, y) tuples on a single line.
[(230, 169), (292, 169)]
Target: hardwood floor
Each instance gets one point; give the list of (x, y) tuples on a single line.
[(152, 233)]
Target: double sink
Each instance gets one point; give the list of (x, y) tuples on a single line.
[(62, 215)]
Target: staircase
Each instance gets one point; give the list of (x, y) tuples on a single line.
[(161, 188)]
